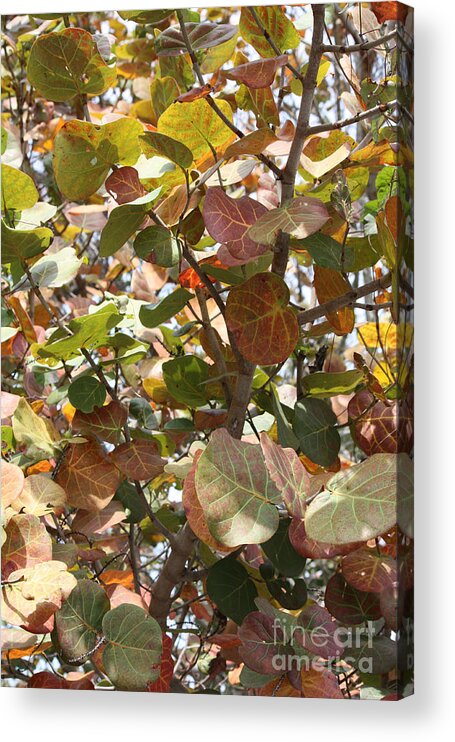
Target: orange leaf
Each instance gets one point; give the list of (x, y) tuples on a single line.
[(265, 328), (195, 93), (393, 11), (88, 478), (330, 284), (138, 459), (258, 74)]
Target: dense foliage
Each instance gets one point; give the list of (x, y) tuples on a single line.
[(207, 343)]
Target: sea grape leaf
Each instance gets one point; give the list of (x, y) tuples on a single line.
[(381, 427), (40, 495), (88, 478), (197, 126), (55, 270), (138, 459), (317, 683), (104, 422), (328, 253), (21, 244), (235, 491), (32, 430), (311, 549), (155, 144), (319, 632), (300, 218), (12, 482), (277, 25), (261, 101), (288, 473), (366, 569), (200, 35), (18, 189), (232, 589), (360, 503), (348, 605), (262, 643), (124, 185), (325, 384), (258, 74), (251, 144), (330, 285), (186, 379), (228, 219), (100, 521), (27, 543), (314, 426), (216, 56), (157, 245), (163, 92), (193, 509), (281, 552), (89, 331), (33, 594), (78, 623), (67, 63), (123, 222), (377, 655), (265, 328), (84, 153), (133, 650), (152, 315), (85, 393), (145, 17)]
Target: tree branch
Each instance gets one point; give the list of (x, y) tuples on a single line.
[(362, 116), (309, 315), (362, 46), (281, 249), (172, 573), (212, 103), (297, 74)]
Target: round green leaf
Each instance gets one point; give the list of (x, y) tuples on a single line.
[(281, 552), (236, 492), (232, 589), (67, 63), (85, 393), (133, 650), (314, 423), (78, 623), (157, 245)]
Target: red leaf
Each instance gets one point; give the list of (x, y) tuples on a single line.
[(265, 328), (50, 680), (348, 605), (381, 427), (311, 549), (257, 74), (88, 478), (138, 459), (163, 683), (124, 185), (227, 220)]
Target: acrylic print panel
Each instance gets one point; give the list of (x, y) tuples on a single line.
[(207, 340)]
